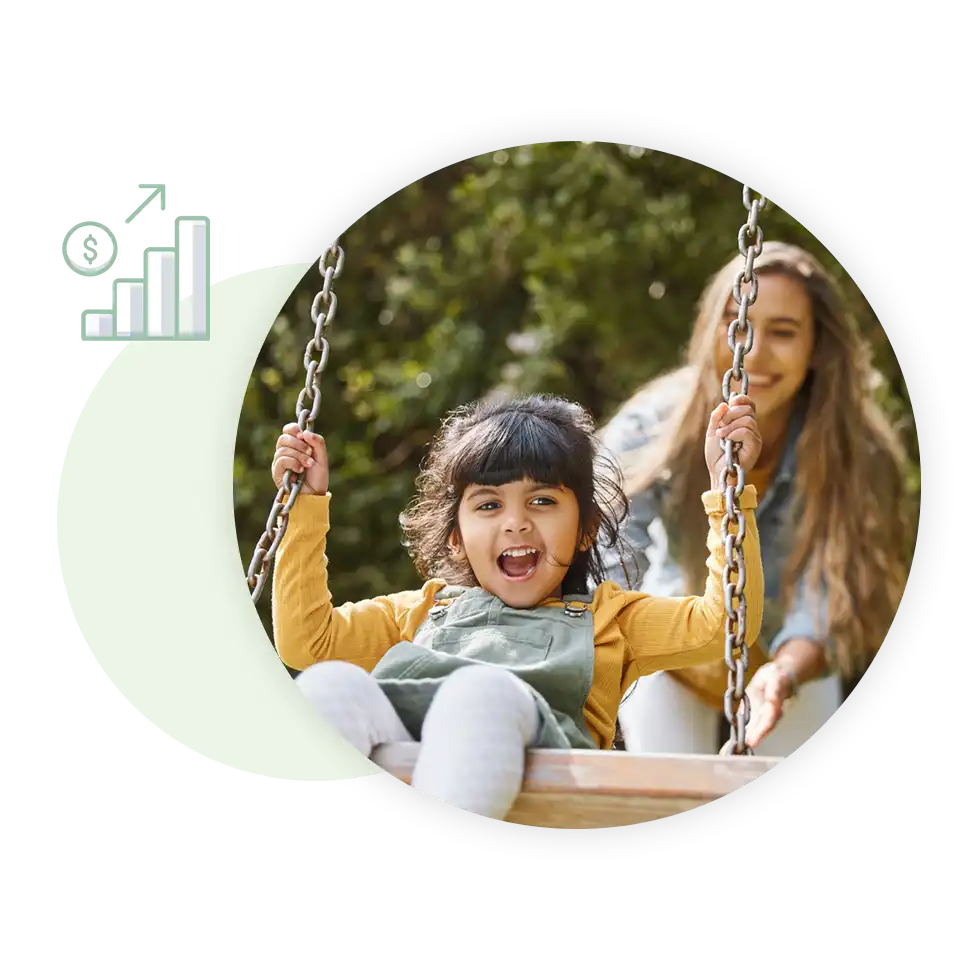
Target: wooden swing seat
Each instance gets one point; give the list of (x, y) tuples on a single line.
[(598, 789)]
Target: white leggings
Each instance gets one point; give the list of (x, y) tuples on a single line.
[(473, 739), (662, 716)]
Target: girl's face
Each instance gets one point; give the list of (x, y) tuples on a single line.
[(519, 538), (784, 339)]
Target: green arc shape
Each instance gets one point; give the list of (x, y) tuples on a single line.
[(146, 547)]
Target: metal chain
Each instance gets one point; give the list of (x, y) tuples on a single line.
[(321, 314), (737, 707)]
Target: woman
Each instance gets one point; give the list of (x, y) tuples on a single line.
[(830, 486)]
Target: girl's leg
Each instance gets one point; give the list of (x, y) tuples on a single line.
[(353, 704), (662, 716), (474, 738)]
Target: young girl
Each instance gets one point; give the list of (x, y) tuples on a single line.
[(502, 649)]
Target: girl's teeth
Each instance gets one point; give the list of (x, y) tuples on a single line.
[(519, 552)]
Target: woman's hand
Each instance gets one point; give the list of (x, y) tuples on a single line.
[(736, 422), (797, 661), (302, 451), (768, 690)]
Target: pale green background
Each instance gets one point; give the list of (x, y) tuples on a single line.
[(148, 546)]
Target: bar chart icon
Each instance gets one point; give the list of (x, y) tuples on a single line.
[(170, 301)]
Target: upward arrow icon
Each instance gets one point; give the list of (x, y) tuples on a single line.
[(148, 195)]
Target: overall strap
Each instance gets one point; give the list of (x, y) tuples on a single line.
[(576, 604), (444, 598)]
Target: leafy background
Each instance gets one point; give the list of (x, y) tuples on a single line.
[(570, 267)]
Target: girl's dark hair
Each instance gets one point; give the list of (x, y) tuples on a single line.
[(542, 438)]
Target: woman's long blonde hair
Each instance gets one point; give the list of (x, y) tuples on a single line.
[(849, 482)]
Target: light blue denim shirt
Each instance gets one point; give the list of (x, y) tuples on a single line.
[(649, 558)]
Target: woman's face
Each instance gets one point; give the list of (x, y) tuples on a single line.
[(784, 339)]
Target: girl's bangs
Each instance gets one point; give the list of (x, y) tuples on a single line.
[(512, 447)]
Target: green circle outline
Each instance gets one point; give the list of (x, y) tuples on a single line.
[(84, 270)]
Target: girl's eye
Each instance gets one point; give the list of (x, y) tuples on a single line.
[(487, 506), (544, 500), (783, 334)]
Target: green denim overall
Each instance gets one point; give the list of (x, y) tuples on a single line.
[(550, 648)]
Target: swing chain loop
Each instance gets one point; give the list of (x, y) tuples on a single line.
[(322, 312), (737, 707)]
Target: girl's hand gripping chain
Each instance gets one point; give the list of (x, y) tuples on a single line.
[(737, 422), (302, 451)]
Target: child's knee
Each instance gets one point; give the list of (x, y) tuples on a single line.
[(353, 704), (481, 685), (333, 677), (485, 701)]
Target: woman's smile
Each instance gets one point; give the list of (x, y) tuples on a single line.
[(763, 381)]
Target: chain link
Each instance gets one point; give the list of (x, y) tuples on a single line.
[(737, 707), (315, 359)]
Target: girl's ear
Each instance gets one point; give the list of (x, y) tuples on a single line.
[(455, 546)]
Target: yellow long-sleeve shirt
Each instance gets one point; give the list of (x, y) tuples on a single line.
[(634, 633), (709, 681)]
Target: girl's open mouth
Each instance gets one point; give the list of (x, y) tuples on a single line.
[(519, 564)]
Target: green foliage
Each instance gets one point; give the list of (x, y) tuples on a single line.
[(570, 268)]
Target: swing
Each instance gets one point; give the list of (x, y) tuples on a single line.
[(578, 788)]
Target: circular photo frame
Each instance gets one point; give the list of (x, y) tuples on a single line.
[(757, 800)]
